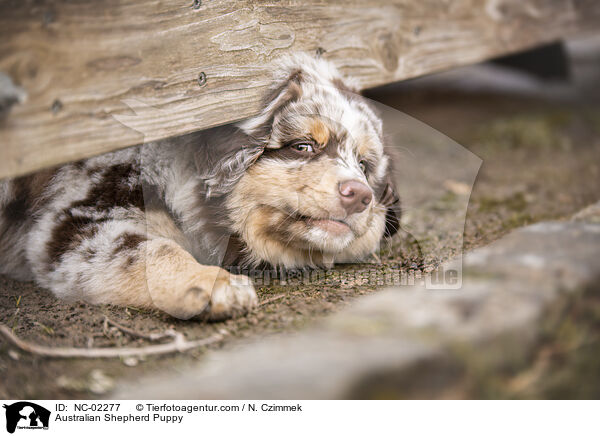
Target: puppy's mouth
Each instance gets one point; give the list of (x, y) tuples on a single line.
[(332, 226)]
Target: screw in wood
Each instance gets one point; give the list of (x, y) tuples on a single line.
[(197, 4), (56, 106), (202, 79)]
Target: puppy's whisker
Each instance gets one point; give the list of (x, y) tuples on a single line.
[(288, 217), (380, 208)]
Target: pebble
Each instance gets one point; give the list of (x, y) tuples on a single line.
[(131, 361), (14, 355), (99, 382)]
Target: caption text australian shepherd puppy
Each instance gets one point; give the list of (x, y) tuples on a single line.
[(306, 183)]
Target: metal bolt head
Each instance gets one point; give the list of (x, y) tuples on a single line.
[(202, 79), (56, 106)]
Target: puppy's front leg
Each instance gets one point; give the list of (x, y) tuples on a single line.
[(180, 286), (129, 268)]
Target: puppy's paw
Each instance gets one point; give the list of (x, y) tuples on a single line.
[(232, 296), (183, 288), (211, 296)]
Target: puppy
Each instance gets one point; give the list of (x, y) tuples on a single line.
[(304, 183)]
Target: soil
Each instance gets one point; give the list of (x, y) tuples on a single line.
[(541, 161)]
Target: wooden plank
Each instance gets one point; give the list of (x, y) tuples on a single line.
[(81, 62)]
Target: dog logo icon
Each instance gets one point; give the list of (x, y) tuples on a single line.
[(26, 415)]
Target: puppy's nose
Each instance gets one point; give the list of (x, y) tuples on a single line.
[(355, 196)]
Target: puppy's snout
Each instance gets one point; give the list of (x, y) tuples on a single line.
[(355, 196)]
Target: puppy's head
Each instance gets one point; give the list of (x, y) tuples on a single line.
[(316, 186)]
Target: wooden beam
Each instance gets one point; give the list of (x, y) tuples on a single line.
[(82, 62)]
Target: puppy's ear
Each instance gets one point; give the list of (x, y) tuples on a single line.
[(260, 126), (225, 153), (391, 200), (222, 155)]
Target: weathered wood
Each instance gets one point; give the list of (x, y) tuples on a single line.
[(83, 62)]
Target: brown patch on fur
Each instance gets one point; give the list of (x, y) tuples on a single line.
[(89, 254), (28, 192), (130, 261), (69, 233), (118, 187), (364, 146), (16, 210), (319, 131), (128, 241), (80, 164)]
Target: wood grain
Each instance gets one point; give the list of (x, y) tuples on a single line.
[(83, 63)]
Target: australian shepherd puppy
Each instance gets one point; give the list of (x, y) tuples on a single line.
[(304, 183)]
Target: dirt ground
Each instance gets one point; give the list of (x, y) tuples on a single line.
[(541, 161)]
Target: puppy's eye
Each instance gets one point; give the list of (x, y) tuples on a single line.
[(363, 166), (303, 147)]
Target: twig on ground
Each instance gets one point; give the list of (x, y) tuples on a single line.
[(178, 344), (270, 300), (131, 332)]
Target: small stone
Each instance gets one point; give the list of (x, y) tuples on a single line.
[(63, 382), (115, 332), (71, 384), (14, 355), (100, 383), (131, 361)]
